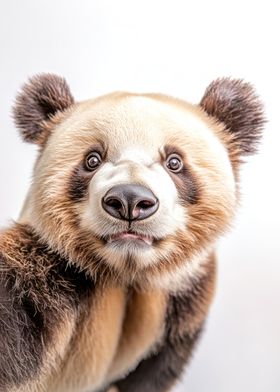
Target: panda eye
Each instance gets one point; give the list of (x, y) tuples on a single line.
[(93, 161), (174, 163)]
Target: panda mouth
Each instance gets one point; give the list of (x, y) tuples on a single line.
[(128, 236)]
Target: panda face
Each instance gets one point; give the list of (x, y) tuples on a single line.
[(136, 188), (134, 179)]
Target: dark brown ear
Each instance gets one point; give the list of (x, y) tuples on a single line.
[(40, 99), (236, 104)]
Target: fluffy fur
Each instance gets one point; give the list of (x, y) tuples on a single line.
[(41, 98), (235, 104), (85, 303)]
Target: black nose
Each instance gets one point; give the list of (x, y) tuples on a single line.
[(130, 202)]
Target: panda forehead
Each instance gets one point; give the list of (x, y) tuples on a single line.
[(133, 120)]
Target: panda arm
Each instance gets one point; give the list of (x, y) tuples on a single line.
[(159, 372), (20, 336), (184, 323)]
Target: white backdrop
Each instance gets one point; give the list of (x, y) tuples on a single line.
[(175, 47)]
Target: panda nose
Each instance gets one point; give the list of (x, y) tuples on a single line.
[(130, 202)]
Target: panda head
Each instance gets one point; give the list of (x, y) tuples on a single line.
[(136, 186)]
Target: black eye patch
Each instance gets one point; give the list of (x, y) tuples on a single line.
[(82, 173), (79, 183), (187, 185), (184, 179)]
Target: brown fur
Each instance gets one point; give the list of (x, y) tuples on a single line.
[(43, 294), (97, 328), (159, 372), (92, 313), (143, 328), (94, 342)]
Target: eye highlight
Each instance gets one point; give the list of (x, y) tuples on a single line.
[(93, 161), (174, 163)]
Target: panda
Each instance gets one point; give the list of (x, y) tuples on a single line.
[(107, 276)]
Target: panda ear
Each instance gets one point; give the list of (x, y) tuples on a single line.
[(236, 104), (42, 97)]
